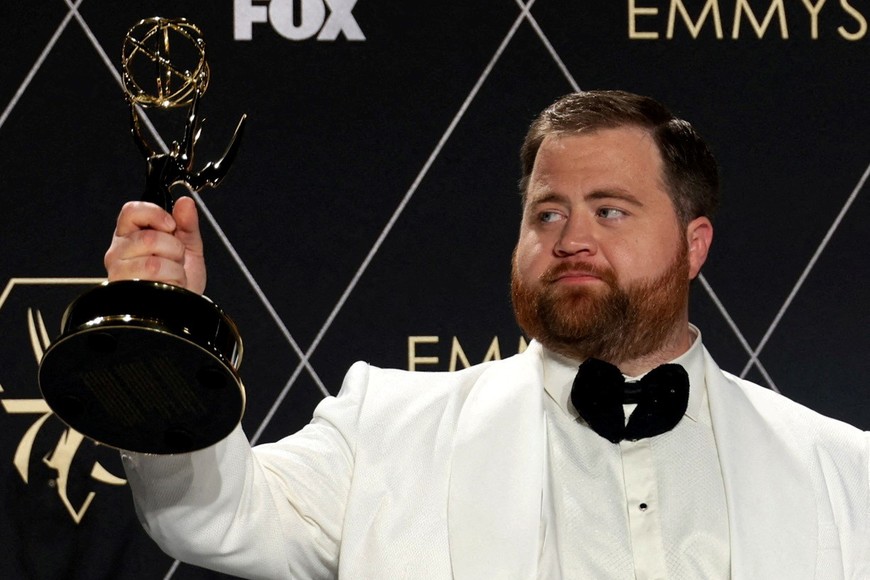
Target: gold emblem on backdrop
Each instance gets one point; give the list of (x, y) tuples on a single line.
[(748, 19), (60, 459), (430, 353)]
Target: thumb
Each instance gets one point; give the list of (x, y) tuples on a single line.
[(188, 233), (187, 224)]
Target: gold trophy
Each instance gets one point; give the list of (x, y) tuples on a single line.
[(147, 366)]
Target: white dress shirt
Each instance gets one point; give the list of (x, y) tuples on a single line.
[(649, 509)]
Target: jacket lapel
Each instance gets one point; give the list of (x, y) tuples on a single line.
[(496, 479), (771, 507)]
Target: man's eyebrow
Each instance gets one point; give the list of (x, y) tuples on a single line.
[(619, 194), (600, 194), (549, 197)]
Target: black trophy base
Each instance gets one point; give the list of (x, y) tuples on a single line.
[(154, 382)]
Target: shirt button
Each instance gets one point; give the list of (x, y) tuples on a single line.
[(642, 507)]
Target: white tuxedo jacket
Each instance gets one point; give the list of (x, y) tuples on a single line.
[(440, 475)]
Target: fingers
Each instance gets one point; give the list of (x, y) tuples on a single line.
[(150, 268), (140, 215), (146, 245)]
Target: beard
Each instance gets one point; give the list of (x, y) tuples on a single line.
[(613, 323)]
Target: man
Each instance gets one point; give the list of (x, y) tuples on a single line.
[(516, 468)]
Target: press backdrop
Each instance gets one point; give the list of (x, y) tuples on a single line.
[(372, 210)]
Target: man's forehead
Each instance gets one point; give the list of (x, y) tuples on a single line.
[(620, 151), (617, 137), (614, 162)]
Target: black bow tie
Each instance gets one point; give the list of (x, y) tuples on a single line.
[(600, 391)]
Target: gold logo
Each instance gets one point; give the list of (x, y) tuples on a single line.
[(61, 458), (657, 19), (430, 352)]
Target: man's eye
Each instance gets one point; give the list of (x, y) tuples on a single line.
[(548, 216), (610, 213)]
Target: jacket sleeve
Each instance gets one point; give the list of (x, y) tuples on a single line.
[(274, 511)]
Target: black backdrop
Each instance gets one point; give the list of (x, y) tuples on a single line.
[(372, 210)]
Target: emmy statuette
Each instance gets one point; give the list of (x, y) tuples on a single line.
[(147, 366)]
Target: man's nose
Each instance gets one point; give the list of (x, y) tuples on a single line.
[(577, 236)]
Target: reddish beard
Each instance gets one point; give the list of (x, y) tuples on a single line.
[(610, 323)]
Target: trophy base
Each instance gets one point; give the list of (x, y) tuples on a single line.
[(161, 381)]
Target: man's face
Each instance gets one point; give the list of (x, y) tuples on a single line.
[(602, 265)]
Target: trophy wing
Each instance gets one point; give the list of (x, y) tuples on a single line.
[(215, 171)]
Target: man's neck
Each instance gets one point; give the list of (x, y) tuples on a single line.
[(678, 343)]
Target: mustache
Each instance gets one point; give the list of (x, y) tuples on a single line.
[(555, 272)]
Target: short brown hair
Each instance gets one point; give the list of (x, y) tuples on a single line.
[(691, 174)]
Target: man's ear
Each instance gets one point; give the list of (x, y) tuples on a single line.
[(699, 236)]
